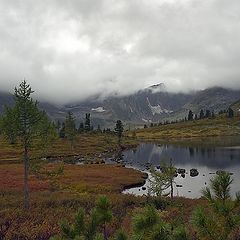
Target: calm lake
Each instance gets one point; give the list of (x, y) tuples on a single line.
[(206, 158)]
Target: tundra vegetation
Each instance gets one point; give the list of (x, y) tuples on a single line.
[(219, 126), (218, 222), (70, 201)]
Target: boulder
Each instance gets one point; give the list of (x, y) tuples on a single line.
[(181, 170), (194, 172)]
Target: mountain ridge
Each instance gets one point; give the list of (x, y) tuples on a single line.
[(152, 104)]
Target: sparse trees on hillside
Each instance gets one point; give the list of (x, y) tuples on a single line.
[(201, 114), (119, 130), (190, 115), (221, 112), (87, 126), (81, 127), (230, 113), (208, 114)]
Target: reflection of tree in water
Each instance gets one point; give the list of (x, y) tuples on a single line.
[(219, 158), (197, 150), (209, 151), (191, 151), (203, 152), (232, 154)]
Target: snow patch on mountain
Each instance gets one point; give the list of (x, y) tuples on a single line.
[(157, 109), (146, 121), (98, 109)]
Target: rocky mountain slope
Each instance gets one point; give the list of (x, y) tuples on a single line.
[(236, 107), (152, 104)]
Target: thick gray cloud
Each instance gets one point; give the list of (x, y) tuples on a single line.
[(70, 50)]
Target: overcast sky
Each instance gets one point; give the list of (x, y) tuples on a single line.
[(69, 50)]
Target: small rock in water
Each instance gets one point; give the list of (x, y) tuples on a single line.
[(194, 172), (181, 171), (183, 175), (144, 188), (179, 185), (145, 176)]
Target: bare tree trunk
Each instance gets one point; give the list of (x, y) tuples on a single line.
[(26, 170)]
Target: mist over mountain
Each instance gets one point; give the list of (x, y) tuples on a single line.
[(151, 104)]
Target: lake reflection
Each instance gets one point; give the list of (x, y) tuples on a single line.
[(207, 159)]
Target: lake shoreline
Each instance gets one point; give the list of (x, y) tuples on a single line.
[(206, 159)]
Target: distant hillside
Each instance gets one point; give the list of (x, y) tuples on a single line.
[(215, 98), (219, 126), (236, 107), (6, 99), (153, 104)]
